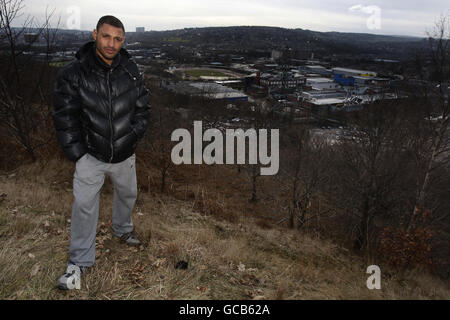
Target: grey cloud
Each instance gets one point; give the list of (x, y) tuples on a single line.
[(409, 17)]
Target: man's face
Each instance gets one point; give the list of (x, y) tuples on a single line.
[(109, 40)]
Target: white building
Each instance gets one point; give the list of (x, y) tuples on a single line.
[(322, 83)]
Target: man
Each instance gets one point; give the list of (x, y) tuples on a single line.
[(100, 113)]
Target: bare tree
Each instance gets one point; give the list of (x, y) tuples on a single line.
[(164, 120), (160, 143), (439, 44), (292, 172), (303, 175), (368, 169), (22, 96), (260, 117)]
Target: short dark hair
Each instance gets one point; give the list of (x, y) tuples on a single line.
[(110, 20)]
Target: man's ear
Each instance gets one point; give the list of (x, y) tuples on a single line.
[(94, 34)]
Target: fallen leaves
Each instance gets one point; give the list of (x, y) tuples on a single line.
[(137, 272), (249, 280), (35, 269), (255, 294), (102, 236), (159, 262), (51, 229), (202, 289), (241, 267)]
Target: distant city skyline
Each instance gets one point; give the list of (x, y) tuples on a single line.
[(402, 17)]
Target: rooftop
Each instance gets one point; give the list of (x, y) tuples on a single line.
[(325, 101), (321, 80), (356, 71)]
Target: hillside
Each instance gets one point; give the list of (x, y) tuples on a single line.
[(237, 258), (254, 38)]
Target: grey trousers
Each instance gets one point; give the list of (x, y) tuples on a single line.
[(87, 182)]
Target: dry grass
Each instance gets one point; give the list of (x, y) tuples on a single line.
[(228, 257)]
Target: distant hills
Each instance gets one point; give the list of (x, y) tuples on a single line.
[(260, 37), (262, 33), (268, 38)]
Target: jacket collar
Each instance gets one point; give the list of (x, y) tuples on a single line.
[(90, 59)]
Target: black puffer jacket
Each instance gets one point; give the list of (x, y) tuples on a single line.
[(99, 108)]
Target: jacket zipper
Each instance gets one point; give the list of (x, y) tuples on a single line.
[(110, 115)]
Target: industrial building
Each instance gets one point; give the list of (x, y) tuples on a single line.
[(277, 81), (316, 70), (321, 83), (353, 72), (346, 76), (209, 90)]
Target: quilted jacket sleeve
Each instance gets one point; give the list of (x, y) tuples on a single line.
[(66, 115), (142, 110)]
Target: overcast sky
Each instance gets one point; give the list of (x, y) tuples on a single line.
[(401, 17)]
